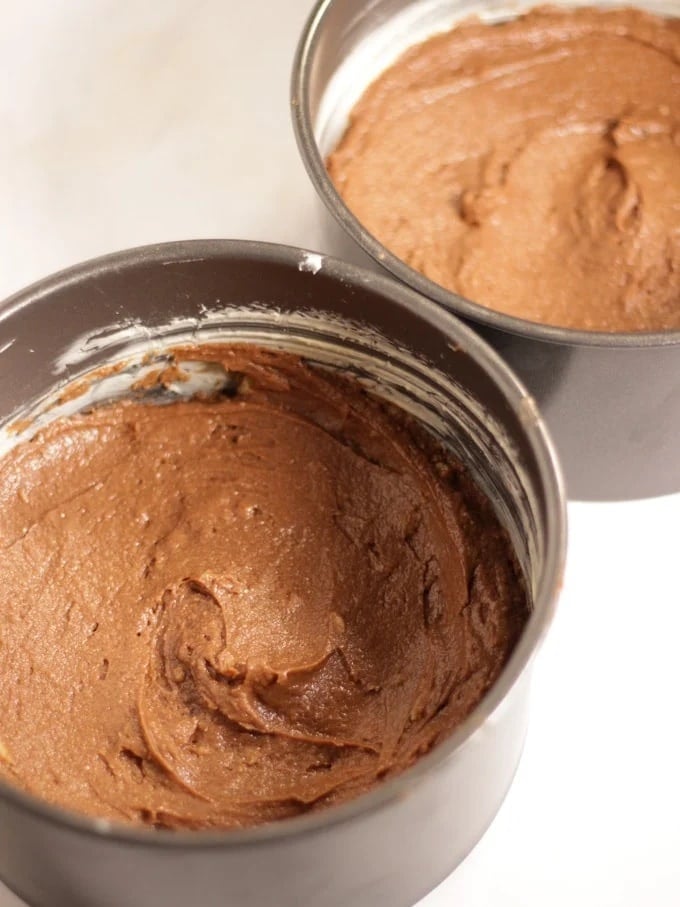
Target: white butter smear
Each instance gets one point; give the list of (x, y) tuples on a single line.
[(310, 262)]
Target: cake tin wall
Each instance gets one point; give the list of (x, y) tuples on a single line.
[(611, 401), (391, 846)]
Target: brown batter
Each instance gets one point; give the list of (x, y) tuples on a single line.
[(222, 612), (532, 166)]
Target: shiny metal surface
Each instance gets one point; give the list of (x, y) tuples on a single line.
[(390, 847), (611, 401)]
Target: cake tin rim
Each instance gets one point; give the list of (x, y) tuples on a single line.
[(548, 587), (461, 306)]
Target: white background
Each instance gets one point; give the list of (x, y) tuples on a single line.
[(126, 122)]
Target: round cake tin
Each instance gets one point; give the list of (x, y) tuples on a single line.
[(611, 400), (391, 846)]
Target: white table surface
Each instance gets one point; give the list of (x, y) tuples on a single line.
[(126, 122)]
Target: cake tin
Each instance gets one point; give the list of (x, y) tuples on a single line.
[(611, 400), (391, 846)]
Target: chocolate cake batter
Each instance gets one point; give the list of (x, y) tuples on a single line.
[(532, 166), (224, 611)]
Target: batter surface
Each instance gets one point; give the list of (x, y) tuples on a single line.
[(225, 611), (532, 166)]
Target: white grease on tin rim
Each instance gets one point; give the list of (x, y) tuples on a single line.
[(132, 332), (91, 342), (529, 412), (311, 262)]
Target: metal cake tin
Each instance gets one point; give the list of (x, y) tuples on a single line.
[(611, 400), (391, 846)]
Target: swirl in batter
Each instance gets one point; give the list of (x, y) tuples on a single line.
[(225, 611)]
